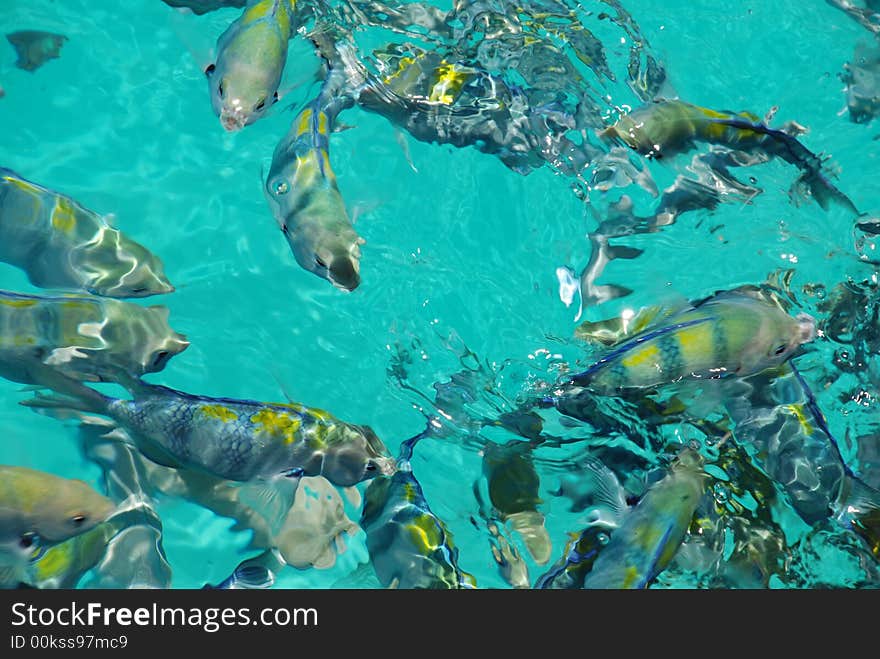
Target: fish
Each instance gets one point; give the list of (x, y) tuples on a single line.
[(601, 493), (862, 78), (257, 572), (303, 194), (512, 484), (34, 47), (448, 101), (307, 533), (251, 53), (651, 532), (46, 339), (39, 510), (865, 16), (233, 439), (409, 546), (134, 555), (732, 333), (780, 422), (58, 243), (63, 565), (665, 128)]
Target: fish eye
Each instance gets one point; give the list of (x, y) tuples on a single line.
[(209, 69), (780, 350), (281, 187), (28, 540), (78, 520)]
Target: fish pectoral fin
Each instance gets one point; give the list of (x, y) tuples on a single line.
[(272, 500)]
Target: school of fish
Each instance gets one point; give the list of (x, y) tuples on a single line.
[(704, 419)]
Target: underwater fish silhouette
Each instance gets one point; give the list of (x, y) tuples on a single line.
[(34, 48)]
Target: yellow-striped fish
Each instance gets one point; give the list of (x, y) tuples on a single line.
[(665, 128), (733, 333), (251, 54), (60, 244)]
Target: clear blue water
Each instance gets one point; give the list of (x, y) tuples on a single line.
[(460, 250)]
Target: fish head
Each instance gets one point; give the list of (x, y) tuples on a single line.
[(136, 338), (355, 454), (240, 96), (75, 508), (129, 269), (169, 347), (778, 339), (319, 231), (329, 253)]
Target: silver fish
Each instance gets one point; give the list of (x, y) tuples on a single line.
[(60, 244), (44, 337), (251, 54)]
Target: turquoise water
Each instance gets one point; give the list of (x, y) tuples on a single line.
[(461, 253)]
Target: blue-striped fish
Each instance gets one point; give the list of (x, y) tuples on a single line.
[(39, 510), (664, 128), (410, 547), (60, 244), (43, 337), (234, 439), (251, 54), (302, 192), (733, 333), (650, 534), (604, 496)]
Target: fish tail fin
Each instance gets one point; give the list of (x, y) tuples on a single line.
[(859, 506), (813, 181), (610, 494), (69, 405)]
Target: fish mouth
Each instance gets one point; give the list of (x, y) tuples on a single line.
[(344, 273), (232, 121)]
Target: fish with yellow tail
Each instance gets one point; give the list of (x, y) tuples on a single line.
[(410, 547), (650, 533), (251, 54), (60, 244), (732, 333), (267, 444), (45, 339), (302, 192), (39, 510), (665, 128)]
